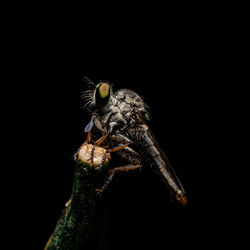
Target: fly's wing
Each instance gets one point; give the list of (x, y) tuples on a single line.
[(170, 171), (148, 141)]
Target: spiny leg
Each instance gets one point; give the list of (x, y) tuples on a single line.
[(118, 148), (99, 141), (96, 144), (112, 173), (130, 155), (119, 138), (127, 153), (103, 160), (112, 150), (88, 137), (109, 150), (92, 154)]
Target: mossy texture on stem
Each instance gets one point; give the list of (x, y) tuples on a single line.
[(82, 223)]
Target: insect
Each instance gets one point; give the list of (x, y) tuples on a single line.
[(124, 115), (96, 156)]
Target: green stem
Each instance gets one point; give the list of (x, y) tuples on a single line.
[(82, 224)]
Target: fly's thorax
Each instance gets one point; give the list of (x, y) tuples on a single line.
[(118, 114), (130, 97), (133, 100), (114, 116)]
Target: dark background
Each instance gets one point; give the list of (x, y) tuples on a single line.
[(171, 67), (140, 213)]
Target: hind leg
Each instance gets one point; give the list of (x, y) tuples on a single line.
[(112, 173)]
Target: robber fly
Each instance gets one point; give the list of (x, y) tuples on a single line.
[(124, 115)]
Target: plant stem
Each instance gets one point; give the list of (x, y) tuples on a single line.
[(83, 222)]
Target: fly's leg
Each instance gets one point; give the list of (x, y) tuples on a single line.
[(126, 153), (130, 155), (120, 138), (118, 148), (95, 144), (98, 142), (106, 146), (112, 150), (112, 173), (88, 137)]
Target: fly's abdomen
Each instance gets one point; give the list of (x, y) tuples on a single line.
[(161, 162)]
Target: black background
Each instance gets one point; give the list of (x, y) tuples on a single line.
[(169, 67), (139, 210), (140, 214)]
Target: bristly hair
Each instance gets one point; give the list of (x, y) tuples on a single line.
[(88, 95), (89, 83)]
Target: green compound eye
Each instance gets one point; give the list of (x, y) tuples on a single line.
[(102, 94), (104, 90)]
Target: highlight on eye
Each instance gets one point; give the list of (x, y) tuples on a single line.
[(104, 90), (102, 94)]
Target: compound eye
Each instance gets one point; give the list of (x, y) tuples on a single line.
[(102, 94), (104, 90)]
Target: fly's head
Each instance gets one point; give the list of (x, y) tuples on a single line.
[(102, 94), (97, 101), (97, 96)]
